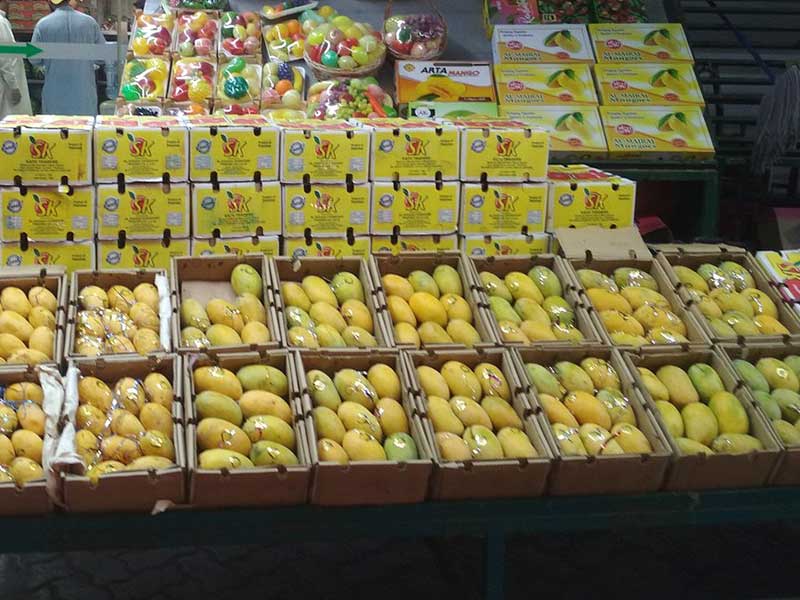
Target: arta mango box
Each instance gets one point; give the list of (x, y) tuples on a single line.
[(236, 209), (498, 150), (269, 245), (140, 254), (143, 210), (589, 198), (337, 247), (505, 244), (574, 131), (439, 81), (656, 131), (232, 148), (503, 208), (415, 150), (640, 43), (664, 83), (70, 255), (47, 213), (526, 85), (46, 150), (525, 44), (415, 207), (397, 244), (324, 152), (326, 209), (140, 149)]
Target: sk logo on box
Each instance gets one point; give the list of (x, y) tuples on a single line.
[(139, 147), (141, 205), (504, 202), (593, 199), (45, 207), (142, 257), (413, 200), (232, 147), (232, 250), (324, 149), (415, 147), (237, 203), (41, 148), (324, 202), (44, 258), (506, 147)]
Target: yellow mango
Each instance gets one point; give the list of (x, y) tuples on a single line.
[(522, 286), (147, 293), (156, 443), (385, 381), (41, 317), (602, 300), (452, 447), (463, 333), (652, 317), (660, 335), (679, 385), (255, 333), (91, 418), (126, 424), (217, 379), (302, 338), (129, 393), (213, 404), (251, 309), (405, 333), (355, 416), (324, 313), (140, 314), (589, 279), (269, 428), (432, 382), (761, 303), (24, 390), (442, 416), (43, 340), (515, 443), (15, 324), (259, 402), (699, 423), (218, 433), (530, 310), (556, 412), (573, 378), (423, 282), (630, 277), (7, 452), (331, 451), (768, 325), (731, 301), (149, 463), (220, 458), (356, 313), (245, 278), (121, 449), (492, 380), (194, 315), (617, 405), (456, 307), (736, 443), (639, 296), (158, 389), (428, 308), (223, 335), (469, 412), (690, 447), (268, 453), (569, 440), (690, 279), (483, 444), (222, 312), (360, 445), (587, 409), (448, 280), (778, 374), (617, 322), (730, 414), (352, 386), (391, 416), (23, 470), (500, 412), (536, 331), (433, 333), (14, 299), (156, 417), (9, 344), (41, 296), (461, 380), (400, 311), (318, 290), (29, 444), (395, 285), (494, 286), (631, 439), (601, 373), (512, 333), (740, 323), (671, 417), (740, 276), (597, 440)]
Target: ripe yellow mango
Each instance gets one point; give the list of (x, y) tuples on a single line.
[(255, 333), (587, 409), (271, 429), (522, 286), (736, 443), (213, 404), (222, 335), (356, 313), (391, 416), (536, 331), (331, 451), (778, 374), (456, 307), (597, 440), (360, 445), (356, 416), (400, 311), (318, 290), (602, 300), (9, 344), (501, 413), (617, 405), (463, 333), (155, 443), (158, 389), (251, 308), (442, 416), (217, 379), (631, 439), (146, 293), (461, 380), (680, 388), (259, 402), (731, 301), (652, 316), (515, 443), (617, 322), (573, 378), (423, 282), (556, 412), (15, 324), (385, 381), (263, 377), (768, 325), (483, 444), (761, 303), (659, 335), (218, 433), (352, 386), (699, 423), (741, 277), (469, 412), (512, 333), (601, 373), (494, 286), (358, 337), (741, 323), (452, 447), (569, 440), (590, 279), (428, 308), (448, 280), (328, 337), (433, 333), (322, 312), (690, 279), (156, 417), (730, 414), (13, 298), (530, 310), (432, 382), (222, 312), (687, 446), (671, 418), (41, 296), (639, 296), (267, 453), (405, 333), (395, 285), (492, 380), (294, 295), (220, 458), (631, 277)]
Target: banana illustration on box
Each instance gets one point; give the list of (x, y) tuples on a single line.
[(563, 39), (661, 37), (678, 123), (670, 78), (567, 79)]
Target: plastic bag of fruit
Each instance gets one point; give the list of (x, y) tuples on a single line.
[(192, 81), (144, 79), (418, 36), (240, 34), (620, 11), (175, 5), (152, 34), (282, 86), (348, 98), (139, 109), (196, 34), (238, 87), (285, 41)]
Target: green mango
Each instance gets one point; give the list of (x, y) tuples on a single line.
[(266, 453), (495, 286), (671, 417), (768, 405), (347, 286), (423, 282), (502, 310), (297, 317), (354, 387), (630, 277), (741, 277), (448, 280), (483, 444), (263, 377), (687, 446), (721, 328), (705, 380), (569, 440), (787, 432), (544, 381), (617, 405), (789, 403), (530, 310), (793, 361), (715, 277), (559, 310), (699, 423), (590, 279), (573, 378), (328, 337), (323, 390), (740, 323), (546, 281), (736, 443), (751, 376), (400, 447), (213, 404)]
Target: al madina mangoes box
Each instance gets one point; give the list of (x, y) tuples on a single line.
[(236, 209), (575, 131), (525, 44), (503, 208), (415, 207), (656, 131), (640, 43), (526, 85), (47, 213), (324, 152), (662, 83), (143, 210)]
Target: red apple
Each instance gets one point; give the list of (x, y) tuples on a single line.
[(180, 93), (203, 46)]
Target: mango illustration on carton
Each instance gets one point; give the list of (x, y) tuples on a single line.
[(338, 247), (664, 83), (415, 207), (524, 44), (47, 213), (525, 85), (236, 209), (396, 244), (143, 210), (640, 43), (140, 254), (46, 150), (573, 130), (71, 255), (443, 81), (324, 152), (268, 245), (322, 209), (503, 208), (580, 196), (505, 244)]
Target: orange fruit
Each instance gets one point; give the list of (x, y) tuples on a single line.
[(293, 26), (283, 86)]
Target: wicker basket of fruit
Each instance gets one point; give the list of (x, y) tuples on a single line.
[(418, 36), (342, 49)]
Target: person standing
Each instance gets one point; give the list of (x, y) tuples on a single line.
[(69, 84), (14, 98)]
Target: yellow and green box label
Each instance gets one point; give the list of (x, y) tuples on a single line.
[(325, 155), (268, 245), (326, 209), (505, 245), (140, 254), (503, 208), (640, 43), (71, 255), (413, 150), (666, 83), (584, 203), (526, 85), (338, 247), (236, 209), (572, 129), (563, 43), (415, 207), (414, 243), (47, 213), (143, 210), (502, 151)]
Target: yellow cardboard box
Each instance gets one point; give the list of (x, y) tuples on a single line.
[(563, 43), (415, 207), (583, 197), (232, 148), (640, 43), (663, 83), (299, 247), (236, 209), (503, 208), (47, 213), (46, 150), (326, 210), (498, 150), (526, 85), (269, 245), (71, 255), (574, 130), (414, 243), (505, 244), (324, 152), (143, 210), (140, 149), (656, 131), (441, 81), (140, 254), (413, 150)]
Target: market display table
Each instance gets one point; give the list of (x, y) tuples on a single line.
[(492, 520)]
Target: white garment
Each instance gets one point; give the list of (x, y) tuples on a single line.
[(12, 75)]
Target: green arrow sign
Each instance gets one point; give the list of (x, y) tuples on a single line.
[(27, 50)]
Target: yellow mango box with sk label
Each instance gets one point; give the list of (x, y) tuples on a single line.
[(71, 255), (415, 207), (268, 245), (338, 247), (140, 149), (563, 43), (414, 243), (639, 43), (140, 254), (232, 148), (665, 83), (326, 209), (574, 130), (236, 209), (503, 208), (526, 85), (46, 150), (47, 213), (586, 197), (324, 152), (143, 210), (507, 244)]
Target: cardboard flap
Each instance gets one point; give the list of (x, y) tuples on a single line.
[(621, 243), (698, 248)]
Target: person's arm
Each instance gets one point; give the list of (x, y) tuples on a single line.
[(36, 37), (111, 76)]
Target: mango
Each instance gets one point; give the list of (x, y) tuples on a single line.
[(456, 307), (271, 429), (544, 380), (587, 409), (708, 308), (222, 312), (452, 447), (245, 279), (448, 280), (522, 286), (385, 381), (87, 445), (328, 424), (146, 293), (461, 380), (405, 334), (631, 439), (9, 344), (503, 311), (730, 413), (423, 282), (787, 433), (394, 285), (639, 296), (400, 447), (92, 297), (428, 308), (660, 335), (259, 402), (569, 440), (24, 470), (356, 313), (94, 472), (294, 295), (354, 387), (617, 406), (492, 381), (559, 310), (25, 390), (442, 416), (620, 338), (652, 316), (740, 323), (217, 379), (251, 309), (330, 451), (31, 417), (671, 417), (732, 302), (158, 389), (347, 286), (721, 328), (324, 313), (95, 392), (705, 380), (328, 337), (463, 333), (546, 280), (212, 404), (699, 423), (770, 326), (125, 424), (793, 362), (535, 331), (716, 278), (156, 443), (31, 357), (391, 416), (483, 444), (222, 335), (530, 310), (156, 417), (86, 417), (360, 445), (740, 276), (145, 341), (469, 412), (192, 337), (433, 382), (687, 446), (494, 286), (323, 390), (318, 290), (777, 373), (219, 458), (356, 416), (218, 433), (13, 323), (194, 315), (13, 298), (601, 373), (789, 403), (357, 337), (768, 404), (690, 278), (149, 463), (122, 449), (597, 440), (41, 317), (573, 378), (400, 311), (255, 333), (567, 332), (680, 388), (629, 277), (28, 444), (556, 412), (515, 443), (602, 300), (263, 377), (41, 296), (7, 451), (761, 303), (590, 279), (120, 298), (736, 443), (617, 322), (500, 412), (511, 333)]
